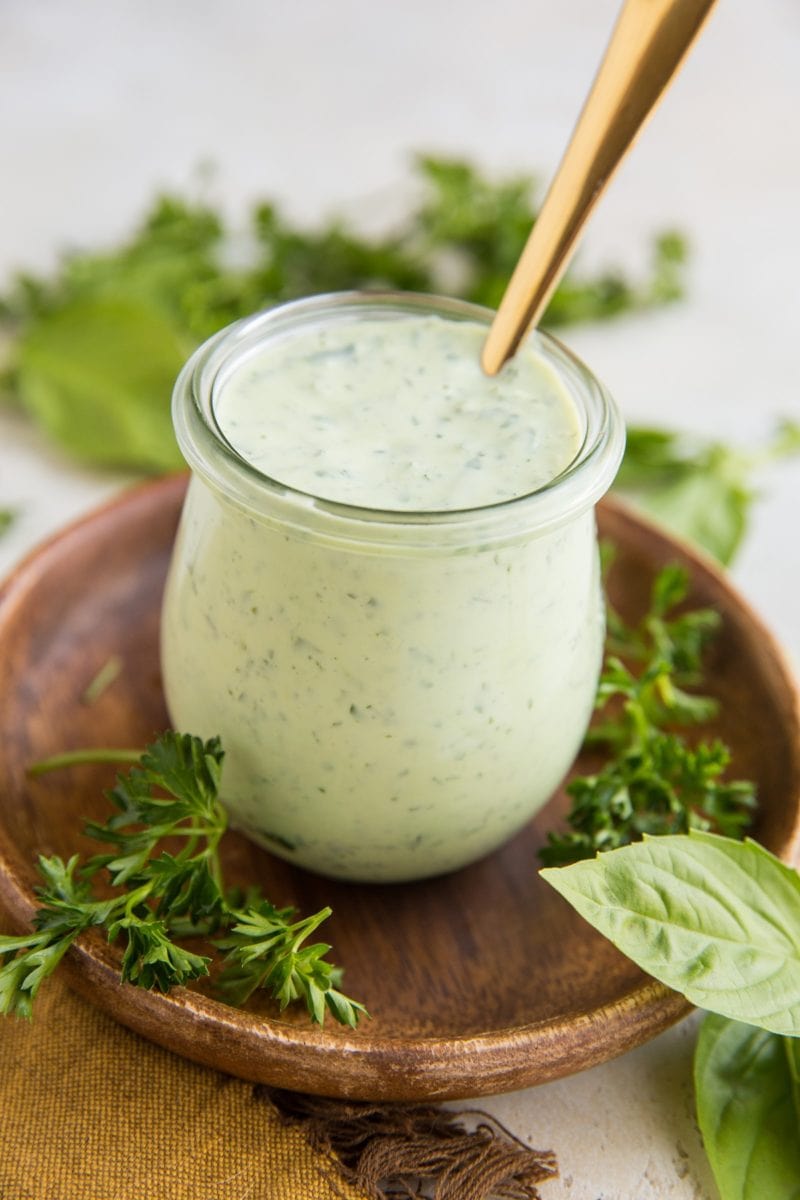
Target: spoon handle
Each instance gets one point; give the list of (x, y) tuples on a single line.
[(646, 48)]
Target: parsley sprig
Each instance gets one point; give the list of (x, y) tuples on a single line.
[(264, 949), (655, 781), (170, 796)]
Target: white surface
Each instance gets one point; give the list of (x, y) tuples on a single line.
[(321, 104)]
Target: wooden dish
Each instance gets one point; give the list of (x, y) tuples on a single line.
[(479, 982)]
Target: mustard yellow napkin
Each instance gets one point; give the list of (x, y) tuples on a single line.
[(91, 1111)]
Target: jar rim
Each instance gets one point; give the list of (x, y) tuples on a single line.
[(208, 452)]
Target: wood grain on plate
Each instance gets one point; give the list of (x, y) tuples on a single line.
[(479, 982)]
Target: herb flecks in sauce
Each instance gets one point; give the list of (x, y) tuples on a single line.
[(398, 415), (425, 697)]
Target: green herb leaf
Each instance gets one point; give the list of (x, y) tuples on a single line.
[(711, 917), (265, 950), (655, 781), (708, 507), (158, 895), (97, 375), (102, 681), (151, 959), (746, 1112), (185, 888), (26, 962), (31, 958), (665, 788), (188, 769), (700, 489)]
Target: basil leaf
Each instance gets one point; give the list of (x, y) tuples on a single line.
[(708, 507), (699, 488), (792, 1048), (713, 918), (97, 375), (746, 1113)]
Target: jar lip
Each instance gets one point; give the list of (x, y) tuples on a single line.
[(204, 445)]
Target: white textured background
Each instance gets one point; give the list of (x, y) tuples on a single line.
[(320, 104)]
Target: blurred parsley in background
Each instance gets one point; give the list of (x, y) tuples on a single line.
[(93, 350)]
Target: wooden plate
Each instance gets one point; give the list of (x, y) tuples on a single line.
[(479, 982)]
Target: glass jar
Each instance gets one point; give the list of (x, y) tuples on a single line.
[(397, 693)]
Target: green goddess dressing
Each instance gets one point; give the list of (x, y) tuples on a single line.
[(399, 656)]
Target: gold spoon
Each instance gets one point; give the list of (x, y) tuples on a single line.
[(648, 44)]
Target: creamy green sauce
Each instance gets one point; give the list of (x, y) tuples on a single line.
[(387, 714), (399, 415)]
